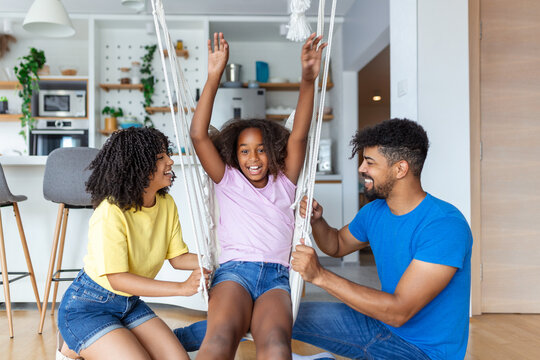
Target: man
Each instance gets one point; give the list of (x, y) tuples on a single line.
[(422, 248)]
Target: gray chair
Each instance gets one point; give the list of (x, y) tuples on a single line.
[(64, 183), (8, 199)]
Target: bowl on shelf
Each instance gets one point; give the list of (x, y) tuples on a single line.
[(126, 125), (68, 70)]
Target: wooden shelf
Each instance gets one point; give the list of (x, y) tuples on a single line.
[(9, 85), (284, 86), (285, 117), (107, 132), (108, 87), (162, 109), (10, 117), (179, 53)]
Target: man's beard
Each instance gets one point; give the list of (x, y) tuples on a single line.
[(379, 192)]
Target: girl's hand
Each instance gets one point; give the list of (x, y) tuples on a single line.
[(311, 57), (218, 56)]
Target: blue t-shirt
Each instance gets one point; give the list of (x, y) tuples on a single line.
[(434, 232)]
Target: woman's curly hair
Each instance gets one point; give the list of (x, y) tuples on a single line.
[(123, 167), (397, 139), (274, 136)]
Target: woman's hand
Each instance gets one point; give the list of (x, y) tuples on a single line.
[(191, 285), (218, 56), (311, 57)]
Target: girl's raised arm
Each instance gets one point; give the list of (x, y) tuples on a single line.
[(206, 151), (296, 146)]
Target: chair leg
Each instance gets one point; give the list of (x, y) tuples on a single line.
[(5, 279), (59, 259), (51, 267), (27, 255)]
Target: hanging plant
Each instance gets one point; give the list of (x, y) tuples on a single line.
[(148, 81), (26, 73)]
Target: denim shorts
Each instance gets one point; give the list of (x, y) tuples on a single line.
[(256, 277), (88, 311)]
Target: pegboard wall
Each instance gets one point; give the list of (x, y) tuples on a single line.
[(120, 47)]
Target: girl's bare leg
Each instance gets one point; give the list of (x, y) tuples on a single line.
[(159, 341), (229, 316), (117, 344), (271, 325)]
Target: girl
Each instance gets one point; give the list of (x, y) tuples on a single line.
[(255, 165), (132, 231)]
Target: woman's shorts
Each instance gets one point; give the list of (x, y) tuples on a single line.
[(88, 311), (256, 277)]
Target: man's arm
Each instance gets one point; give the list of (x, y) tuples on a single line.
[(421, 283), (331, 241)]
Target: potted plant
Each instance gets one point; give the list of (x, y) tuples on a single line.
[(3, 105), (27, 74), (111, 124)]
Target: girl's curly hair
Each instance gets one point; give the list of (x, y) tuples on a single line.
[(274, 136), (123, 167)]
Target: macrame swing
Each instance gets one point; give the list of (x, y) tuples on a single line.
[(203, 210)]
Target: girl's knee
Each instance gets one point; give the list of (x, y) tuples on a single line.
[(275, 344)]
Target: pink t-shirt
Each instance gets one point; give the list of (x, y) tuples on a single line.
[(255, 224)]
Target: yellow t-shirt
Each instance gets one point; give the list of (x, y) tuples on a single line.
[(132, 241)]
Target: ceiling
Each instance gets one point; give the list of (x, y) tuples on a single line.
[(183, 7)]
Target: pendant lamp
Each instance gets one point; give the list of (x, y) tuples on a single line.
[(48, 18), (136, 5)]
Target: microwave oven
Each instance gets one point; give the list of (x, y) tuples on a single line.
[(62, 103)]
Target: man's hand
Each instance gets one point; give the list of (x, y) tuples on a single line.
[(306, 262), (218, 56), (311, 57), (317, 211)]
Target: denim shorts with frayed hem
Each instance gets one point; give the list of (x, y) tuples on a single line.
[(88, 311), (256, 277)]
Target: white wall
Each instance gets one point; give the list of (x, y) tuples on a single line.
[(365, 32), (443, 98), (438, 89), (403, 59)]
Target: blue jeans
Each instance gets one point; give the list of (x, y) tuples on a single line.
[(334, 327), (88, 311), (256, 277)]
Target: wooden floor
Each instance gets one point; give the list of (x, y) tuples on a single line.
[(492, 336)]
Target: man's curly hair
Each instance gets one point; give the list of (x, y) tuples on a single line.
[(397, 139), (123, 167), (274, 136)]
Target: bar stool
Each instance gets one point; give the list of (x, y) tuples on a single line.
[(64, 183), (8, 199)]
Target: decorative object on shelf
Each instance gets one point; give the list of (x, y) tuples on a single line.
[(299, 29), (45, 70), (135, 72), (27, 74), (262, 71), (129, 121), (5, 39), (137, 5), (179, 45), (149, 81), (111, 123), (48, 18), (3, 105), (125, 79), (68, 70)]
